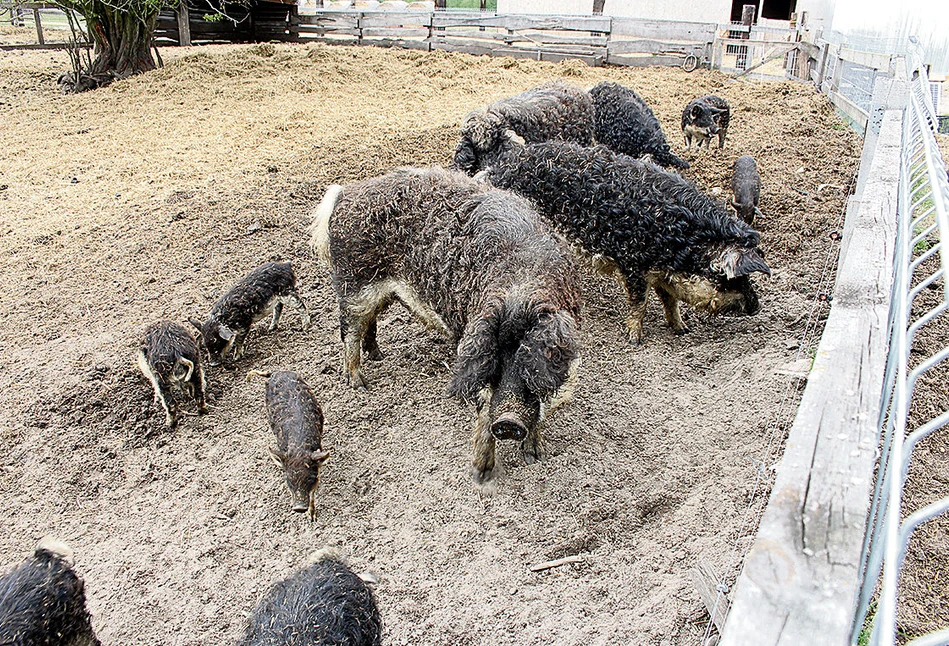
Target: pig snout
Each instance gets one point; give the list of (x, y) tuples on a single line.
[(300, 505), (514, 410), (509, 426)]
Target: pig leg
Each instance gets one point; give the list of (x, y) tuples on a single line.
[(531, 448), (483, 455), (351, 329), (721, 137), (294, 299), (239, 338), (277, 310), (636, 292), (162, 392), (200, 386), (670, 305), (370, 345)]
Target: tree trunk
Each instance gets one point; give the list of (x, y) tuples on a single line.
[(123, 41)]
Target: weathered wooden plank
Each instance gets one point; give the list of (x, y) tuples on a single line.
[(801, 577), (663, 29), (405, 33), (333, 19), (422, 45), (617, 47), (316, 30), (183, 23), (559, 51), (643, 61), (395, 19), (706, 582), (522, 21)]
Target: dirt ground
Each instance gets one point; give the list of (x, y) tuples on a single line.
[(146, 199)]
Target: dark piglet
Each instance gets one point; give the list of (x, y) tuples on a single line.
[(170, 359), (297, 422), (746, 185), (555, 110), (645, 225), (705, 118), (474, 262), (260, 294), (626, 124), (43, 601), (324, 604)]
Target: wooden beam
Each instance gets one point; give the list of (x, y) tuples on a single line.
[(801, 578), (184, 23), (39, 26)]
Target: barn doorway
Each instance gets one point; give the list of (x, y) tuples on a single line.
[(771, 9)]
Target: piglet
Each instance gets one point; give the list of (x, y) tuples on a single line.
[(297, 422), (260, 294), (323, 604), (746, 185), (43, 601), (171, 360)]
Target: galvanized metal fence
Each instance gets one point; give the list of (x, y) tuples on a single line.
[(920, 264)]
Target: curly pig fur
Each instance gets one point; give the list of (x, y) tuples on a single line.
[(626, 124), (552, 111), (477, 262), (650, 226)]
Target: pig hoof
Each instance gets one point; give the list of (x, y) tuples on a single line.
[(482, 477), (358, 382), (203, 410), (375, 355), (532, 455), (684, 329)]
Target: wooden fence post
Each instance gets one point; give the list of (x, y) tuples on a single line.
[(184, 24), (39, 26)]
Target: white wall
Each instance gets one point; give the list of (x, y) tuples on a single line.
[(558, 7), (717, 11), (820, 12)]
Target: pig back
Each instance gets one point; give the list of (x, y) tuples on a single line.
[(294, 413)]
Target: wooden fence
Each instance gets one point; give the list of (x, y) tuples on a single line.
[(593, 39)]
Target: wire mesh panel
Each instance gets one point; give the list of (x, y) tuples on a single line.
[(920, 268)]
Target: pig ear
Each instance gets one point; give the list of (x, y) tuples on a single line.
[(195, 322), (477, 360), (696, 111), (742, 262), (546, 352), (225, 333), (513, 138), (736, 206), (320, 456), (758, 213), (277, 458)]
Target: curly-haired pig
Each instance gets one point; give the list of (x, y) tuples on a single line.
[(170, 359), (647, 226), (43, 601), (260, 294), (297, 422), (626, 124), (470, 260)]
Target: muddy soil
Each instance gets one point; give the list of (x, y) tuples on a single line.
[(146, 199)]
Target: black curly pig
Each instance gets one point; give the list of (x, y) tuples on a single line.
[(322, 604), (555, 110), (260, 294), (645, 225), (43, 601), (626, 124), (470, 260)]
